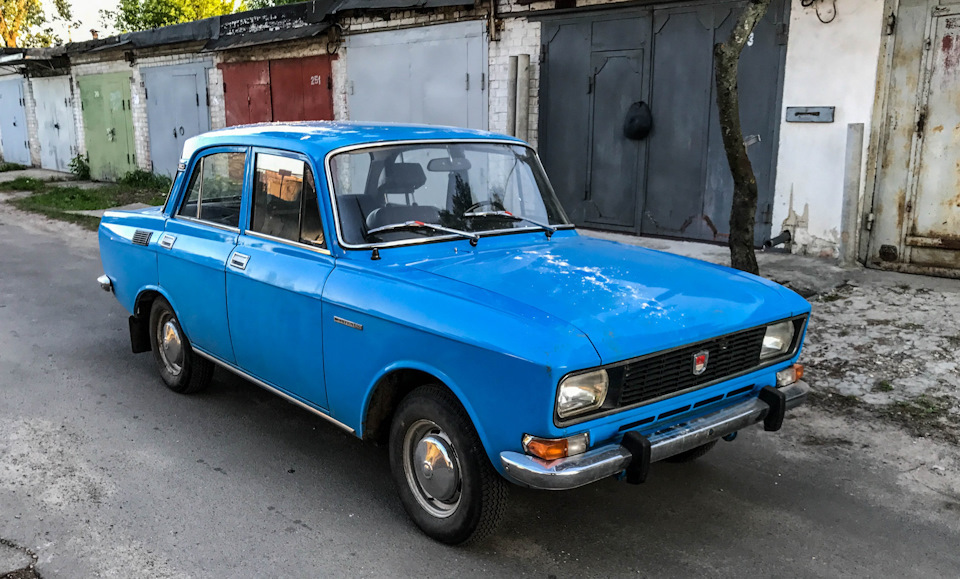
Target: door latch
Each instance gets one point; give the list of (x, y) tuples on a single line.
[(239, 260), (167, 240)]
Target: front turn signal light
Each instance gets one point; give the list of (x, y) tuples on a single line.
[(789, 375), (554, 448)]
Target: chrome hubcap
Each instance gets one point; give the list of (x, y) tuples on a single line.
[(432, 468), (171, 344)]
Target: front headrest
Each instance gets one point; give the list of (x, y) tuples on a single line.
[(402, 178)]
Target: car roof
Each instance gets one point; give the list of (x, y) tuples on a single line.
[(317, 138)]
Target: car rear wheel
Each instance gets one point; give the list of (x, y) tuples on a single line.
[(445, 480), (693, 453), (182, 370)]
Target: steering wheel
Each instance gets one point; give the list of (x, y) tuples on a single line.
[(491, 202)]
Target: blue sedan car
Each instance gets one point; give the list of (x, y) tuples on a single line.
[(422, 287)]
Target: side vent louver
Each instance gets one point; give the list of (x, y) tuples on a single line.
[(141, 237)]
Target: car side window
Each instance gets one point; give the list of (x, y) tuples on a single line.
[(285, 200), (215, 189)]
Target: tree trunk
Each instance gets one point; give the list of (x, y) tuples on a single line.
[(744, 209)]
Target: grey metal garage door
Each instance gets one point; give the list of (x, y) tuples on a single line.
[(435, 75), (675, 182), (56, 126), (176, 111), (13, 123)]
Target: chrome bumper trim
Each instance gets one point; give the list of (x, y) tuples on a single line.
[(105, 283), (605, 461)]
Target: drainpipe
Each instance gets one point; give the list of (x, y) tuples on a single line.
[(851, 195), (512, 97), (523, 95)]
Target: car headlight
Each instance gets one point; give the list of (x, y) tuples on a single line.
[(582, 393), (777, 340)]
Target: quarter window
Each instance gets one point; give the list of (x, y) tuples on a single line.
[(216, 187), (285, 200)]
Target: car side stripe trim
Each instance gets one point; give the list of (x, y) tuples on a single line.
[(275, 390)]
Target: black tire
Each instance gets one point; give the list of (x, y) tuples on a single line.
[(187, 373), (693, 453), (481, 494)]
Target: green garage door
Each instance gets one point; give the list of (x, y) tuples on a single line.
[(108, 124)]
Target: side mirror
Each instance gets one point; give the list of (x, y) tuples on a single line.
[(639, 121)]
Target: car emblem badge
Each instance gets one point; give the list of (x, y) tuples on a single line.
[(700, 362)]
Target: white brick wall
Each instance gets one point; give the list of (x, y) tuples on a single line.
[(217, 108), (33, 138), (518, 36)]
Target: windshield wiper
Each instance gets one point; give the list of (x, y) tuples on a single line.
[(548, 229), (414, 225)]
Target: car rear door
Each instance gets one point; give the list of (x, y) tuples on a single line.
[(275, 278), (198, 240)]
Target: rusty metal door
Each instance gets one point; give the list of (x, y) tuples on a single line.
[(176, 110), (933, 203), (56, 129), (246, 92), (301, 89), (13, 123)]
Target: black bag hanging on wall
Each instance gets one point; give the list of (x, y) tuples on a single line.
[(639, 121)]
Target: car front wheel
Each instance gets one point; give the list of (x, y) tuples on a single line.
[(445, 481), (182, 370)]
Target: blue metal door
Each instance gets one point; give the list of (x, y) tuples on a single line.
[(176, 110), (198, 239), (275, 314), (13, 123)]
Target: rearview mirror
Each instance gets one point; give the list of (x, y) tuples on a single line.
[(447, 164)]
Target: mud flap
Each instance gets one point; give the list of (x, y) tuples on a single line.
[(777, 402), (139, 336)]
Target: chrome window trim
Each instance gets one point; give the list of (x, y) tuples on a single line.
[(405, 242), (205, 222), (273, 389), (300, 244), (797, 339)]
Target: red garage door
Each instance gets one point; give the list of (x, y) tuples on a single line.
[(289, 89)]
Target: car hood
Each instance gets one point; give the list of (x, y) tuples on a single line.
[(628, 300)]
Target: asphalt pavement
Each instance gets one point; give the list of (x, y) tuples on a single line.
[(105, 472)]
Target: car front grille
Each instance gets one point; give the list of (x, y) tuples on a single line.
[(667, 373)]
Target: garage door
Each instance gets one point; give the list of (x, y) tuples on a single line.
[(435, 75), (13, 123), (287, 89), (55, 125), (675, 181), (176, 111), (108, 124)]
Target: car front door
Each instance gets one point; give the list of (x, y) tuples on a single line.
[(275, 279), (193, 250)]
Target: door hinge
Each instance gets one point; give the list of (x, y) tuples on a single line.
[(921, 122), (198, 98), (128, 158), (543, 53), (868, 218), (483, 81), (329, 83), (590, 83), (468, 81), (891, 24), (123, 104), (146, 93), (909, 207)]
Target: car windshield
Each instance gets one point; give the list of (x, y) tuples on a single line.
[(386, 194)]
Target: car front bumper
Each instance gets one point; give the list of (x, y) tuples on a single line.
[(636, 452)]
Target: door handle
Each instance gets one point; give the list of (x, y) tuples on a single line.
[(239, 260), (166, 240)]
